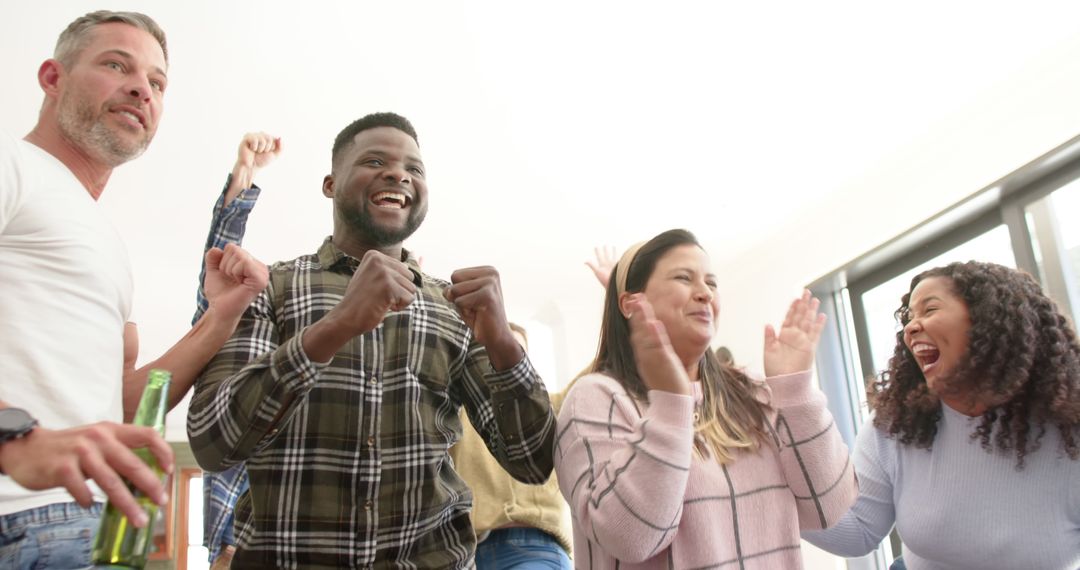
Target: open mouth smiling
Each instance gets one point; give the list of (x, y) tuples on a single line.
[(926, 355), (392, 200)]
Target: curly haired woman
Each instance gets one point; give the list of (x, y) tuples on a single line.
[(974, 451)]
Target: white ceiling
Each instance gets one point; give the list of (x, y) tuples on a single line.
[(547, 127)]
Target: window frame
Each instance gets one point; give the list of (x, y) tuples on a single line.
[(184, 494)]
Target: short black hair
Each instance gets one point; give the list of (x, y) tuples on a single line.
[(346, 136)]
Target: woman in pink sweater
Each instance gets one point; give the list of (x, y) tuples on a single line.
[(721, 471)]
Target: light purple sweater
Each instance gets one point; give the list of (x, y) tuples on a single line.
[(958, 506), (642, 499)]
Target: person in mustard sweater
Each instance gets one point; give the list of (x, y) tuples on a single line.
[(517, 526)]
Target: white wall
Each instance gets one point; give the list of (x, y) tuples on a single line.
[(1022, 117)]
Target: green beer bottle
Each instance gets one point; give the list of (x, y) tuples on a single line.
[(118, 542)]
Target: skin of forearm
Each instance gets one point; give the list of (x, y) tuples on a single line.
[(242, 177), (324, 338), (185, 360), (504, 354)]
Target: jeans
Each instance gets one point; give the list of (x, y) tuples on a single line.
[(520, 549), (54, 536)]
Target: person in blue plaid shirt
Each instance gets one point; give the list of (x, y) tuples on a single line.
[(229, 222), (340, 390)]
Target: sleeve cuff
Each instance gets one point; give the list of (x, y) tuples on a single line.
[(247, 197), (671, 409), (293, 365), (791, 389), (519, 378)]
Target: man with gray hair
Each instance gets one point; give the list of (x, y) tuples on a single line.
[(67, 350)]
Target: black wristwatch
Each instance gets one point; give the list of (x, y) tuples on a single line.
[(15, 423)]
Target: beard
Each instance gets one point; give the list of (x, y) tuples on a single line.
[(83, 125), (363, 224)]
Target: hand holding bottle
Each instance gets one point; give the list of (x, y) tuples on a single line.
[(46, 458), (124, 539)]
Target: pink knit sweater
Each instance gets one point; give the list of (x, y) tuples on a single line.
[(642, 499)]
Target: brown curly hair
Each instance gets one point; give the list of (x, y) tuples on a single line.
[(1023, 361)]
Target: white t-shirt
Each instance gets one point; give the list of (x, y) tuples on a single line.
[(65, 293)]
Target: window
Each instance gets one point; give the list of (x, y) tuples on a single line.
[(191, 554), (1056, 246)]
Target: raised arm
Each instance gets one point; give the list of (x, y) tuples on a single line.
[(624, 474), (237, 200), (256, 151), (233, 279), (605, 262), (812, 454), (505, 398)]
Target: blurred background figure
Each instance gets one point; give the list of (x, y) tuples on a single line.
[(518, 526), (723, 354)]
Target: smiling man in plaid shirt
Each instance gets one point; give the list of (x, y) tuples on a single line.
[(341, 387)]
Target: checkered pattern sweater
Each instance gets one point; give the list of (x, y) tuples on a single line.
[(642, 499)]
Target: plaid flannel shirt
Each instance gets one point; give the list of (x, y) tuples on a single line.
[(221, 490), (348, 460)]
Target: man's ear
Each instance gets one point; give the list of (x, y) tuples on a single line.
[(49, 75), (328, 186)]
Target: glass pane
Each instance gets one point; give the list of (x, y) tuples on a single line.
[(881, 302), (195, 511), (197, 558), (1057, 246)]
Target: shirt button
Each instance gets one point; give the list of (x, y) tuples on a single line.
[(370, 441), (367, 505), (374, 381)]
